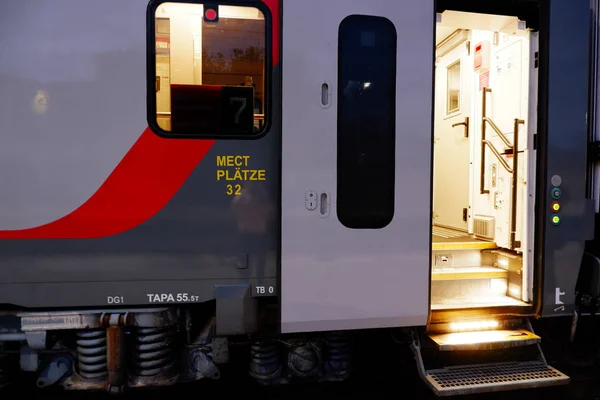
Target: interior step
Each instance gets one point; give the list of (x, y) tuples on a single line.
[(508, 356), (461, 244), (450, 239), (482, 378), (439, 303), (483, 340), (457, 273)]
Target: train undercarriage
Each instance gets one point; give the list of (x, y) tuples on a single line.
[(116, 350), (120, 350)]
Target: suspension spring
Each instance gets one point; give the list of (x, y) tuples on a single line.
[(91, 353), (265, 363), (338, 355), (153, 351)]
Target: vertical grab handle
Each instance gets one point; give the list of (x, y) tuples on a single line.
[(325, 97), (514, 188), (484, 92), (324, 205)]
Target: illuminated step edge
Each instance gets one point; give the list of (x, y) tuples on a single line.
[(462, 245), (483, 340), (455, 273)]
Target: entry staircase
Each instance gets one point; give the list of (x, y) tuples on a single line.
[(480, 360), (463, 351), (468, 272)]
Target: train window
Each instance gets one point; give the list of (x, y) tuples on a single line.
[(366, 135), (453, 88), (210, 64)]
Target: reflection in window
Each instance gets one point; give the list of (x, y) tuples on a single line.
[(453, 101), (366, 122), (210, 69)]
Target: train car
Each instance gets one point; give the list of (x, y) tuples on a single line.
[(179, 176)]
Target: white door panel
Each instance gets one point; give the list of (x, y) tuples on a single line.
[(374, 273), (452, 162)]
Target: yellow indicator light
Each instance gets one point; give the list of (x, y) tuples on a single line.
[(555, 206), (556, 220)]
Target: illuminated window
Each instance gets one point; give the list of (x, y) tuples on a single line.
[(210, 70), (453, 101)]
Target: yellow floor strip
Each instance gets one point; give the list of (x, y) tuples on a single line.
[(463, 245)]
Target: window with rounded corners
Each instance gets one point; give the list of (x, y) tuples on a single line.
[(208, 69), (366, 130)]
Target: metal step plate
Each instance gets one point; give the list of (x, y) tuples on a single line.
[(475, 272), (449, 239), (439, 303), (483, 340), (480, 378)]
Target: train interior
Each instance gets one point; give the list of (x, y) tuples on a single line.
[(195, 54), (483, 170)]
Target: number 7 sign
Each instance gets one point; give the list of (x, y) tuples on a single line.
[(238, 113)]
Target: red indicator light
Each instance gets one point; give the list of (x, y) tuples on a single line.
[(210, 14), (555, 206)]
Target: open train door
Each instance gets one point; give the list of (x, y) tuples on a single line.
[(356, 163)]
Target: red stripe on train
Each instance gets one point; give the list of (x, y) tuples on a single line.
[(274, 8), (141, 185)]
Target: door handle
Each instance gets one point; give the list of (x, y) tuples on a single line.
[(465, 123), (324, 205)]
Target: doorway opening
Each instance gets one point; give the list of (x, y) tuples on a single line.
[(484, 162)]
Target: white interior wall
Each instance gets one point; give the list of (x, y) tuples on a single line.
[(186, 24), (451, 178)]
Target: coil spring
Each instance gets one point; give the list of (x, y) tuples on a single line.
[(153, 351), (338, 355), (91, 353), (305, 360), (265, 363)]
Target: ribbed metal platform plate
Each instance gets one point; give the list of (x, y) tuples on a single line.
[(469, 379)]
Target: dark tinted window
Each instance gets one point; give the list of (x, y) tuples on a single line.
[(366, 122)]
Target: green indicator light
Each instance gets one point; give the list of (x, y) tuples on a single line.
[(556, 193), (555, 220)]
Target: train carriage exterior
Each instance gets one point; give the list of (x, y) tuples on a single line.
[(177, 175)]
